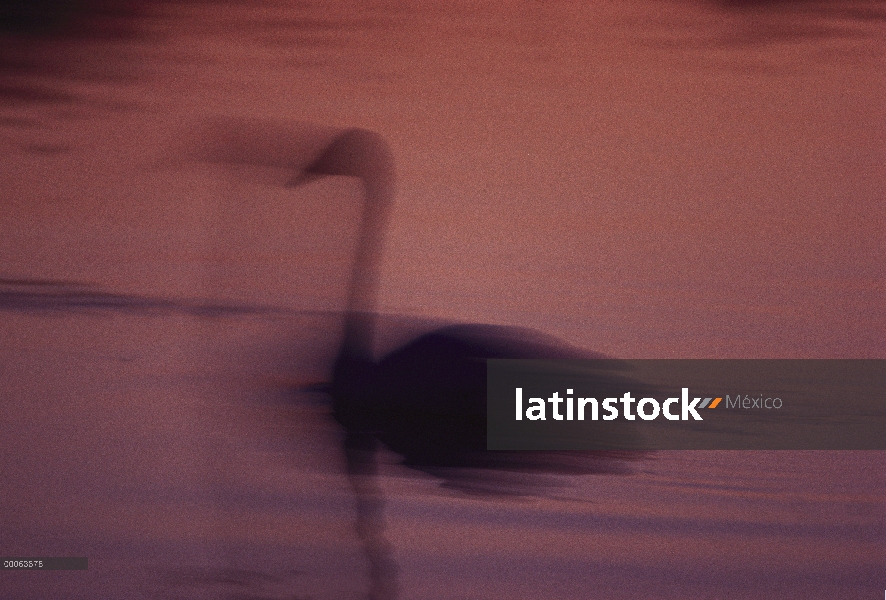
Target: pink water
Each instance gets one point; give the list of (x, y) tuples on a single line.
[(645, 179)]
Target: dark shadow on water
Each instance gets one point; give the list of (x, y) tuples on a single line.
[(768, 21), (68, 17), (35, 295)]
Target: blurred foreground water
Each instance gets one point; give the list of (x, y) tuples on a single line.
[(165, 448), (642, 179)]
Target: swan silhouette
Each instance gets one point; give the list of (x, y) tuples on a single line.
[(426, 400)]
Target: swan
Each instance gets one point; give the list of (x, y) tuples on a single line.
[(425, 400)]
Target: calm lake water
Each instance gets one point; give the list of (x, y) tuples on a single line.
[(643, 179)]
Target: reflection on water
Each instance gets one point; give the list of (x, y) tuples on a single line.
[(36, 295), (644, 179), (172, 451)]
